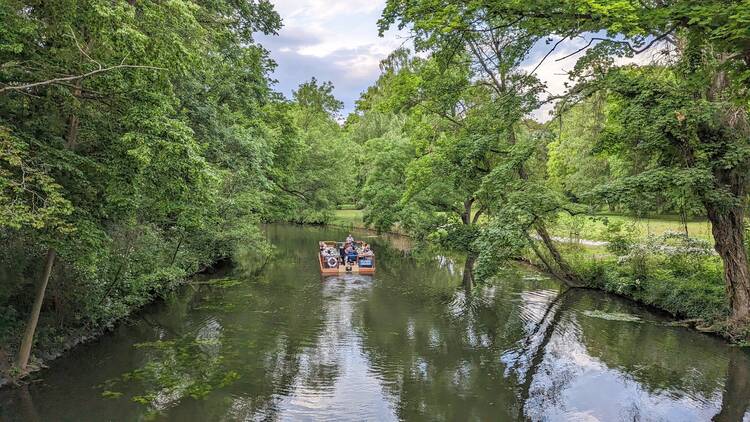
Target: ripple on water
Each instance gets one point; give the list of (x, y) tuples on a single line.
[(408, 343)]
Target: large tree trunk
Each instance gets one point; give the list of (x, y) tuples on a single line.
[(28, 337), (562, 270), (727, 226)]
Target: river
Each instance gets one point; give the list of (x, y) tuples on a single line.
[(408, 343)]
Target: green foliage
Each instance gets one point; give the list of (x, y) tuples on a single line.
[(382, 191), (674, 273), (312, 158), (666, 137), (29, 195), (143, 142)]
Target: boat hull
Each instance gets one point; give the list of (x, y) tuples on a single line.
[(353, 268)]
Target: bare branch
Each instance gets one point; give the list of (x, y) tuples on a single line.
[(625, 43), (74, 77), (82, 50), (554, 47), (497, 85)]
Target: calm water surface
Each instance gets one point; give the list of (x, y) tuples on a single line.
[(407, 343)]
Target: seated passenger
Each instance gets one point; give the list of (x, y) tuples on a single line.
[(351, 254)]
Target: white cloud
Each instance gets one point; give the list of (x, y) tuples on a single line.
[(338, 41), (554, 71), (304, 11), (331, 40)]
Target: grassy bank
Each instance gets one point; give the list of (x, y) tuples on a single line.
[(579, 227), (596, 227), (689, 286), (353, 218), (348, 218)]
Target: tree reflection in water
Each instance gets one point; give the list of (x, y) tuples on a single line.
[(736, 399), (514, 350), (419, 340)]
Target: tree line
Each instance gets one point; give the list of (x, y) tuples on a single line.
[(140, 142), (451, 153)]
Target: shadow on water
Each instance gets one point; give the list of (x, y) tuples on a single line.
[(418, 340)]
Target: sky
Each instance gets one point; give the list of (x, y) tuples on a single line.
[(337, 41), (333, 40)]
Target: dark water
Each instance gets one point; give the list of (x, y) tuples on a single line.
[(408, 343)]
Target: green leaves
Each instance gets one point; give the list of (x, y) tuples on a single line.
[(141, 151), (29, 195), (313, 163)]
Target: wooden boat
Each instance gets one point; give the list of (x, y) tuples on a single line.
[(334, 265)]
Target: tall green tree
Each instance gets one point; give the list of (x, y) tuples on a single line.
[(702, 95), (119, 121), (312, 159), (494, 47)]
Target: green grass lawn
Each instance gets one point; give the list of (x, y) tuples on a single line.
[(353, 218), (348, 218), (587, 227), (594, 227)]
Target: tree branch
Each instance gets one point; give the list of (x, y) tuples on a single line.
[(625, 43), (554, 47), (74, 77)]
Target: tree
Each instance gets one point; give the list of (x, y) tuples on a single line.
[(690, 148), (494, 47), (312, 158), (712, 67), (119, 121)]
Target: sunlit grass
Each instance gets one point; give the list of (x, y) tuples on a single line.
[(348, 218), (595, 227), (583, 227)]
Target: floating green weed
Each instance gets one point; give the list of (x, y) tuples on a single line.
[(612, 316), (219, 307), (111, 394), (158, 344), (225, 283)]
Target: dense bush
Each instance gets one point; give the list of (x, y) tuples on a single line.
[(671, 272)]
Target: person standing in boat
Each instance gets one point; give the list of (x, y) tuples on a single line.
[(350, 239)]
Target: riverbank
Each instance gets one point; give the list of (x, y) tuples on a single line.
[(584, 229), (405, 344), (688, 290), (50, 346), (687, 284)]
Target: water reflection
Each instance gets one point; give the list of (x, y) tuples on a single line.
[(415, 341), (736, 398)]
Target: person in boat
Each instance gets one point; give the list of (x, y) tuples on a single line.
[(351, 254), (366, 251), (350, 239)]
